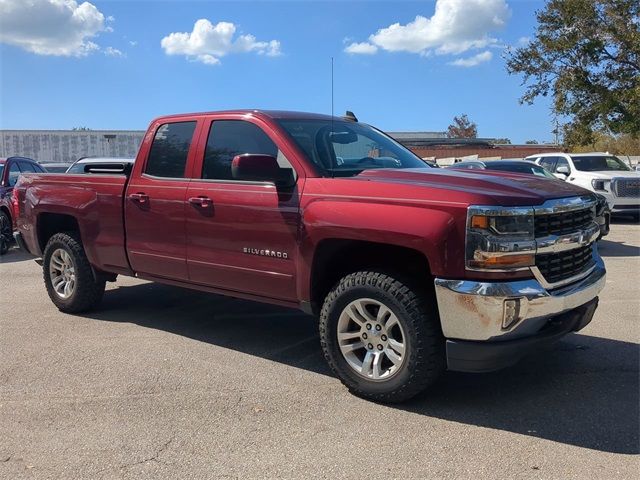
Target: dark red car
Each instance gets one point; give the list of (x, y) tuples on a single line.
[(10, 170)]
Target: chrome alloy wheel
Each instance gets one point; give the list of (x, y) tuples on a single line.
[(371, 339), (62, 273)]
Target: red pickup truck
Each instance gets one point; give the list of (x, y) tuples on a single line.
[(411, 269)]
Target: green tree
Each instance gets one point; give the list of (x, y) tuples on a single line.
[(531, 142), (586, 54), (462, 127)]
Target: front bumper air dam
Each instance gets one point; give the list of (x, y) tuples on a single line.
[(472, 315), (478, 357)]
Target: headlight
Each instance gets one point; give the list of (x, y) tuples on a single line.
[(500, 238), (600, 185)]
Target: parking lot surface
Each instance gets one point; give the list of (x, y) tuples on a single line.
[(162, 382)]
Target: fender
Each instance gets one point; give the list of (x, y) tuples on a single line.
[(423, 229)]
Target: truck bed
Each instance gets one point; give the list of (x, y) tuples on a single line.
[(95, 200)]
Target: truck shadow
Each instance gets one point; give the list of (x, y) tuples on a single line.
[(14, 255), (607, 248), (583, 391)]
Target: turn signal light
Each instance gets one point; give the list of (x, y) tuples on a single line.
[(503, 261), (480, 221)]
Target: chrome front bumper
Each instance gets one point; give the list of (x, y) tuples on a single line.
[(474, 311)]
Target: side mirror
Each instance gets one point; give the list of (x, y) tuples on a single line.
[(563, 170), (261, 168)]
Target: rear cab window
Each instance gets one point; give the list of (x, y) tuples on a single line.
[(170, 149)]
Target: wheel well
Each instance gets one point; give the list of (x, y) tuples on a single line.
[(51, 223), (336, 258)]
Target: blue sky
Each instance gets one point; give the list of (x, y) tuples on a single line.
[(278, 58)]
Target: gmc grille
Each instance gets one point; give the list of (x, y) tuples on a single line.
[(556, 267), (626, 187)]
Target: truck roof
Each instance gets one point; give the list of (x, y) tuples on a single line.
[(274, 114)]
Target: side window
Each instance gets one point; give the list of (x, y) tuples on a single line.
[(14, 173), (562, 162), (76, 168), (27, 167), (228, 138), (169, 150), (549, 163)]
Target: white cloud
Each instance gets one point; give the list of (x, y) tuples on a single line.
[(481, 57), (455, 27), (113, 52), (51, 27), (524, 40), (363, 48), (133, 43), (207, 43)]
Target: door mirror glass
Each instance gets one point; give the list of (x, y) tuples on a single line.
[(260, 168)]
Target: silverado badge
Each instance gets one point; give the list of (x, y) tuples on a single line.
[(265, 252)]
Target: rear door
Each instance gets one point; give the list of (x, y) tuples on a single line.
[(244, 238), (155, 201)]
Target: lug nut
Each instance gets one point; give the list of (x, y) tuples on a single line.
[(383, 337), (364, 335), (370, 346), (379, 347), (378, 327), (368, 326)]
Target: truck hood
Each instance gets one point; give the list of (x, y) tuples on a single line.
[(504, 188)]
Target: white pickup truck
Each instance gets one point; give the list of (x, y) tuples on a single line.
[(602, 173)]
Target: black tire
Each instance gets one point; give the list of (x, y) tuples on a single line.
[(87, 292), (424, 359), (6, 232)]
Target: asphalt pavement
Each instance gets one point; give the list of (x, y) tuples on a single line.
[(163, 382)]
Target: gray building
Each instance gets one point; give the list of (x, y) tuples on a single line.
[(67, 146)]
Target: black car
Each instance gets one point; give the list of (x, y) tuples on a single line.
[(514, 166), (10, 170), (603, 212)]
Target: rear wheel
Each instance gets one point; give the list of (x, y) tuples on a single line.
[(6, 232), (381, 337), (68, 275)]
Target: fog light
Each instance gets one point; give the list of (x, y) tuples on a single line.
[(511, 312)]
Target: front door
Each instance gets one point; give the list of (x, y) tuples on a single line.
[(241, 235), (155, 203)]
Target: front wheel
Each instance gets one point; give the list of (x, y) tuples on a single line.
[(68, 275), (381, 337)]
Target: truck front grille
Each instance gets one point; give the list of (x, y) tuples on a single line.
[(626, 187), (556, 267), (562, 223)]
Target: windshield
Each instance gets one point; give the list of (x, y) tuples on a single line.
[(521, 168), (345, 149), (1, 169), (599, 163)]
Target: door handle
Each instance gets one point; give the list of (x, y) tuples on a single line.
[(201, 201), (139, 197)]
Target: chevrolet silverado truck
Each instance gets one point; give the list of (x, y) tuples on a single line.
[(411, 270)]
